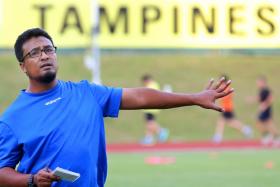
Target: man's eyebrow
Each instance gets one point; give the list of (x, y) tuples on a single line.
[(35, 48), (44, 46), (47, 46)]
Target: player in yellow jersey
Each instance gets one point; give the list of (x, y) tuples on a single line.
[(228, 117), (154, 132)]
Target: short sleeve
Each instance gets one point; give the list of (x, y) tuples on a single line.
[(9, 148), (108, 98)]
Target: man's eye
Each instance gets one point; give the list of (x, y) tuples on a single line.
[(35, 52), (47, 50)]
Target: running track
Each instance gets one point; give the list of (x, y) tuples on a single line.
[(187, 146)]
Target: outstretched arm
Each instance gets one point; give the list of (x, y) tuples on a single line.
[(145, 98)]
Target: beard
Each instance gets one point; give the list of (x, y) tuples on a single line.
[(46, 78)]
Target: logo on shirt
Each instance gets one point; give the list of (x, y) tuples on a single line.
[(52, 101)]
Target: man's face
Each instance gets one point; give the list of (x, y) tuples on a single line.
[(39, 66), (261, 83)]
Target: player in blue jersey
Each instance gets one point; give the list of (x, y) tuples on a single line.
[(54, 123)]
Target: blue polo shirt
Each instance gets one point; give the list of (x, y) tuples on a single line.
[(62, 127)]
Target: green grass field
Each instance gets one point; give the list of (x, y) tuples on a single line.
[(186, 73), (197, 169)]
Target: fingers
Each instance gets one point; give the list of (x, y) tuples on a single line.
[(223, 87), (218, 85), (210, 84), (222, 94), (45, 178), (221, 81), (217, 108)]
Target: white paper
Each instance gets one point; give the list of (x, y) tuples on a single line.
[(65, 174)]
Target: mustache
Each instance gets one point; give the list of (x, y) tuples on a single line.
[(46, 64)]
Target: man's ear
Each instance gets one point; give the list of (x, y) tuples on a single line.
[(22, 67)]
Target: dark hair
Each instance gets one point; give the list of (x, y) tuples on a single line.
[(26, 35), (146, 77), (262, 78)]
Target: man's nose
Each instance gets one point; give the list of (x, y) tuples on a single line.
[(44, 55)]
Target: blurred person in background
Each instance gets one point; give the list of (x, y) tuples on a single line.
[(154, 132), (228, 118), (55, 123), (265, 123)]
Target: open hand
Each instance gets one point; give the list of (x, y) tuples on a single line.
[(206, 99)]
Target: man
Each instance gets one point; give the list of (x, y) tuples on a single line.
[(228, 117), (53, 123), (265, 121), (154, 131)]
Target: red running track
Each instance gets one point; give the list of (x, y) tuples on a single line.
[(187, 146)]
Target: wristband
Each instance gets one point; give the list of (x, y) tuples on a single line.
[(30, 182)]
